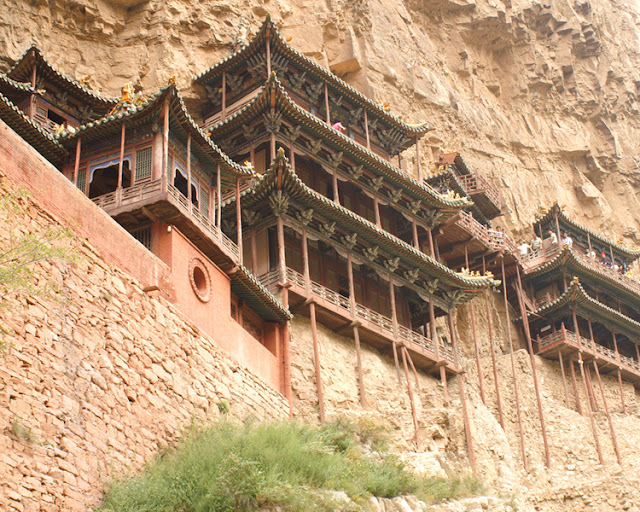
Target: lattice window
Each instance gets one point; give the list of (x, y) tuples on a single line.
[(82, 179), (143, 236), (143, 164)]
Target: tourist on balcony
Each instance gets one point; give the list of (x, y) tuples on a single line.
[(591, 254), (536, 244), (524, 249), (567, 240), (605, 260), (553, 237)]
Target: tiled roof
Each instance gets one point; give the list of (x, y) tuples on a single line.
[(179, 117), (21, 71), (281, 171), (40, 140), (263, 103), (456, 186), (257, 44), (246, 286)]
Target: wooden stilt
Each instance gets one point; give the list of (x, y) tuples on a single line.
[(564, 379), (475, 338), (525, 462), (527, 333), (594, 401), (286, 342), (463, 400), (363, 396), (575, 387), (411, 398), (415, 372), (614, 440), (492, 348), (443, 380), (624, 408), (316, 359), (594, 428), (394, 319)]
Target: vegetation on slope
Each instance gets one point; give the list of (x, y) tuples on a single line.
[(240, 467)]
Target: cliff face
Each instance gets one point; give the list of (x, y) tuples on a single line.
[(542, 97)]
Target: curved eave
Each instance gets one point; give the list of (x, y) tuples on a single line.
[(95, 131), (22, 70), (41, 141), (567, 258), (9, 84), (261, 104), (277, 41), (245, 285), (576, 297), (562, 218), (368, 230)]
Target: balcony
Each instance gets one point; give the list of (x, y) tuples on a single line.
[(336, 312), (568, 343), (147, 200), (485, 195)]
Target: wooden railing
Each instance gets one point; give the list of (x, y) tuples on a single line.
[(343, 304), (475, 183), (149, 188), (594, 349), (496, 240)]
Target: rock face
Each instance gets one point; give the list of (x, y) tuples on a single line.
[(541, 97)]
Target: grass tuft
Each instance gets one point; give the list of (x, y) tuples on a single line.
[(242, 467)]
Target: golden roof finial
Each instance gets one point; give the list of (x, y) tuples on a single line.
[(127, 92)]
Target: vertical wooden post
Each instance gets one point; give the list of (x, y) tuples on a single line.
[(356, 338), (254, 252), (165, 145), (418, 165), (492, 348), (594, 428), (527, 333), (589, 241), (76, 165), (272, 145), (376, 210), (223, 114), (431, 246), (286, 345), (120, 162), (305, 262), (366, 130), (316, 358), (475, 337), (292, 156), (614, 440), (268, 43), (594, 399), (252, 154), (411, 398), (414, 229), (189, 193), (32, 98), (564, 379), (575, 386), (394, 319), (624, 408), (613, 259), (326, 102), (525, 462), (555, 216), (463, 400), (588, 390), (219, 202), (336, 192), (352, 288), (239, 220)]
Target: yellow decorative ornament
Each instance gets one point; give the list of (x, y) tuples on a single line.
[(127, 93)]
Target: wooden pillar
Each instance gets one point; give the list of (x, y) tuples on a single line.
[(555, 216), (120, 162), (305, 262), (492, 348), (463, 400), (352, 289), (376, 210), (614, 440), (76, 165), (254, 252), (411, 398), (613, 259), (414, 229), (165, 145), (268, 43), (624, 408), (252, 155), (594, 428), (418, 166), (336, 192), (189, 193), (286, 343), (431, 245), (394, 319), (575, 386), (219, 202), (589, 241), (239, 220), (594, 399), (589, 391), (366, 130), (356, 338), (272, 145), (525, 462), (316, 359), (326, 102), (475, 337), (615, 342), (32, 98), (223, 114), (292, 156), (527, 333), (564, 379)]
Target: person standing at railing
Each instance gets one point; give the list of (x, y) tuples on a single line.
[(524, 248), (536, 244), (605, 260), (567, 240), (553, 237)]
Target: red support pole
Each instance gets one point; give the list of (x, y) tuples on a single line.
[(286, 342), (564, 380), (575, 386), (363, 396), (614, 440), (525, 462), (624, 408), (475, 338), (594, 428), (411, 398), (316, 359), (394, 319), (527, 333)]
